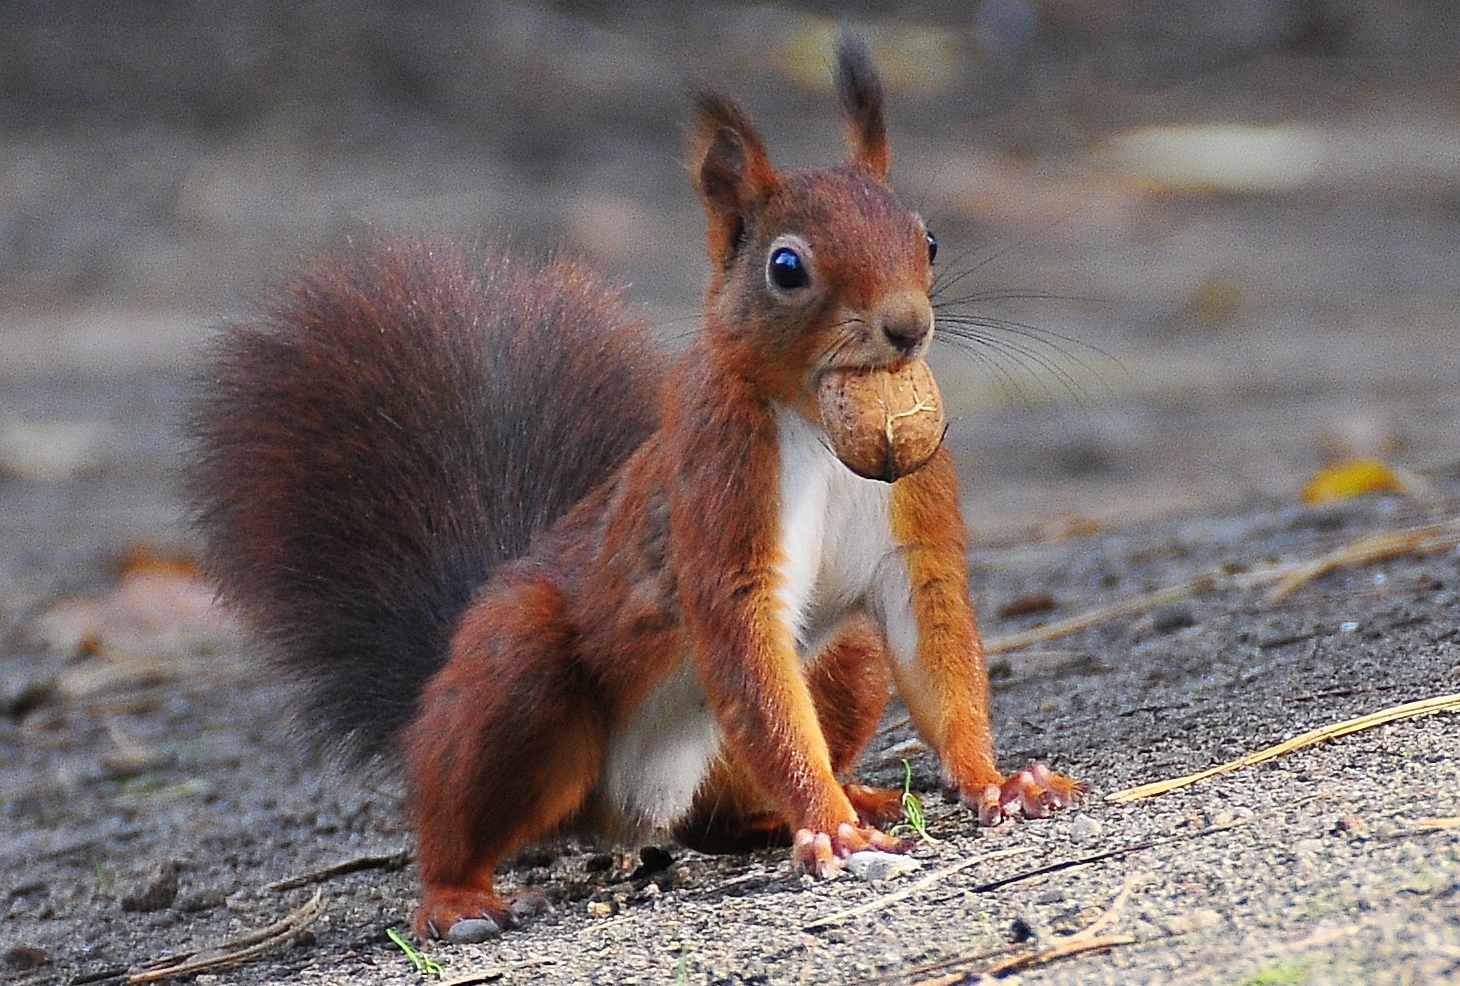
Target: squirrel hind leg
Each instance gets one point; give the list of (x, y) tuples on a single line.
[(442, 908), (507, 743), (850, 682)]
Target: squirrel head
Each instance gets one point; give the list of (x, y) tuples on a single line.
[(811, 270)]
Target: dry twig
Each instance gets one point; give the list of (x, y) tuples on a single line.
[(1447, 822), (235, 950), (1108, 916), (392, 861), (1102, 614), (1410, 710), (916, 887), (1365, 551), (1061, 951), (1001, 962), (1285, 579)]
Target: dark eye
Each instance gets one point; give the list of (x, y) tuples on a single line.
[(932, 247), (787, 270)]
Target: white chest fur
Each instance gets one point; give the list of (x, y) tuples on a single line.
[(838, 556), (658, 757), (838, 552)]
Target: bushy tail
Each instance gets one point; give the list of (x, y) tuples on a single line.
[(386, 431)]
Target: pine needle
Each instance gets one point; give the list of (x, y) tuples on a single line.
[(1366, 551), (1410, 710), (912, 888), (1061, 951), (1285, 579), (236, 950)]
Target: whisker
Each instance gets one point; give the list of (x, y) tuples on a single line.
[(1010, 294), (940, 283), (1027, 355), (1056, 341), (1023, 355), (987, 359), (839, 342)]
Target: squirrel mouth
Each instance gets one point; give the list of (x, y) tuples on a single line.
[(895, 364)]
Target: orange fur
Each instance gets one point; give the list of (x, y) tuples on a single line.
[(666, 610), (850, 684), (946, 687)]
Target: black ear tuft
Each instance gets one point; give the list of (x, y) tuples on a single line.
[(729, 168), (860, 89)]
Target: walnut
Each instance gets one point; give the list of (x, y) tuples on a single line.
[(882, 423)]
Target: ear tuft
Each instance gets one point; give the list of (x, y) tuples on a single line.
[(731, 170), (860, 89)]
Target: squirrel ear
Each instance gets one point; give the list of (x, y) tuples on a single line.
[(860, 89), (732, 172)]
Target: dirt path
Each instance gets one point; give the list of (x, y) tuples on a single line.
[(1197, 355)]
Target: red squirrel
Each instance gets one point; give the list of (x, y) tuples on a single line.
[(466, 501)]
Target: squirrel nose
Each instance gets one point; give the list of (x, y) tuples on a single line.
[(906, 321)]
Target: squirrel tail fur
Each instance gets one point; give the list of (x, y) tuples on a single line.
[(389, 428)]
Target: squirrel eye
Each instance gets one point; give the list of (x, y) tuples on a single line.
[(787, 270), (932, 247)]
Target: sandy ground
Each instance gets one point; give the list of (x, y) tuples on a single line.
[(1196, 352)]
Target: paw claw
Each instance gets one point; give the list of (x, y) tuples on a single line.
[(821, 853), (1035, 792), (443, 907)]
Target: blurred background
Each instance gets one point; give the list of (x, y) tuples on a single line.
[(1214, 244)]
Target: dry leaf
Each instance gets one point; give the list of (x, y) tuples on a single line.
[(1347, 480)]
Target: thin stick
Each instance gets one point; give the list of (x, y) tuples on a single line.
[(1366, 550), (236, 950), (1410, 710), (912, 888), (1086, 939), (1101, 614), (1285, 580), (1083, 861), (1111, 913), (393, 861), (1448, 822), (1061, 951)]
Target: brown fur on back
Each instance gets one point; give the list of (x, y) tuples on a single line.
[(349, 510)]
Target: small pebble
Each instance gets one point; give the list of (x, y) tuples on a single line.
[(1172, 617), (1083, 828), (157, 894), (27, 957), (871, 864), (473, 931), (1200, 919)]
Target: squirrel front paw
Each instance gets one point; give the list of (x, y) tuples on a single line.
[(821, 853), (1034, 792)]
